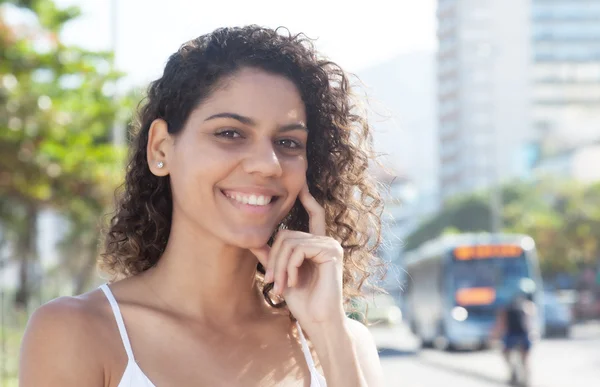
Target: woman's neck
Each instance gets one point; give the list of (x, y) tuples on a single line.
[(200, 276)]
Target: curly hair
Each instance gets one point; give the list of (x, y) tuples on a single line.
[(339, 150)]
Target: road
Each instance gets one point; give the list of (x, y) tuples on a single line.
[(574, 361)]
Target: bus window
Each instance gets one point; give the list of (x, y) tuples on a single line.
[(500, 274), (472, 274), (492, 272), (513, 268)]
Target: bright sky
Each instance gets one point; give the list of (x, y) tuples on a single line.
[(355, 36)]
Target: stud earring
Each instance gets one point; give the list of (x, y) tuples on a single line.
[(160, 164)]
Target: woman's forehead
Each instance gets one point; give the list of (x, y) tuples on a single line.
[(258, 95)]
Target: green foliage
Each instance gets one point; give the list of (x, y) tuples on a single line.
[(466, 214), (564, 219), (58, 107)]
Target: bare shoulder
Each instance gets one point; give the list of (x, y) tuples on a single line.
[(366, 350), (359, 330), (61, 345)]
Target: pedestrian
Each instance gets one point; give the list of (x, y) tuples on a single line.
[(516, 327), (247, 220)]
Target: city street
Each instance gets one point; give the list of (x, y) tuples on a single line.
[(555, 362)]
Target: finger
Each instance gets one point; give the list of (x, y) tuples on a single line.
[(276, 247), (280, 267), (316, 213), (273, 254), (296, 260)]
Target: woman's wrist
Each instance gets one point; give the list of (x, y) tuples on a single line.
[(336, 350)]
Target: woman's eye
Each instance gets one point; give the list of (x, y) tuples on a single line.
[(228, 134), (290, 144)]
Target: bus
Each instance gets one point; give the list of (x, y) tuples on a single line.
[(456, 284)]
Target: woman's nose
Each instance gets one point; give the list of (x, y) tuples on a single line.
[(262, 158)]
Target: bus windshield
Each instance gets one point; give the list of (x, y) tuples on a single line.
[(499, 273), (492, 272)]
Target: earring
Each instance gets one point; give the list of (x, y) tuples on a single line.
[(160, 164)]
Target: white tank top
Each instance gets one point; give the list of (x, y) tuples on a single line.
[(135, 377)]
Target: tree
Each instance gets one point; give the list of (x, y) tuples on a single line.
[(468, 213), (57, 111), (564, 220)]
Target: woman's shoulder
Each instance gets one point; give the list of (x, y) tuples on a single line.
[(66, 335), (74, 314), (366, 350), (360, 332)]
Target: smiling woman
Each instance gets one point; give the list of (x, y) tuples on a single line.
[(246, 202)]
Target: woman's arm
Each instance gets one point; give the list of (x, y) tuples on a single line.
[(348, 354), (57, 349), (499, 326), (531, 320)]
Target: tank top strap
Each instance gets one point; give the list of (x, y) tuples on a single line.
[(305, 348), (316, 379), (119, 318)]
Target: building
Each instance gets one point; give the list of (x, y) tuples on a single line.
[(578, 163), (565, 38), (482, 91), (515, 78)]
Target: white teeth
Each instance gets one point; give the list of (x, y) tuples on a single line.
[(253, 200)]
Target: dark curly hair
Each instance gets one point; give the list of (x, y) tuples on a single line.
[(339, 149)]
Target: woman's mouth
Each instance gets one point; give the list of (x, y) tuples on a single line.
[(250, 200)]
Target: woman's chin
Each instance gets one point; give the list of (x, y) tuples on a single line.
[(251, 241)]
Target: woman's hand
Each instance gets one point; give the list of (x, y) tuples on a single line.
[(306, 269)]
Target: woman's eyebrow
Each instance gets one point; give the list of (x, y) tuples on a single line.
[(243, 119), (250, 122)]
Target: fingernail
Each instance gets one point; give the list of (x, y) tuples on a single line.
[(276, 289)]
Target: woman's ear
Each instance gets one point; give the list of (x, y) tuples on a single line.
[(159, 147)]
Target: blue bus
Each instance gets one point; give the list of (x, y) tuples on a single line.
[(456, 285)]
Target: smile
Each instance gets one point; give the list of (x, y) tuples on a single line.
[(249, 199)]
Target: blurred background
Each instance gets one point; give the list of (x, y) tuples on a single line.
[(486, 114)]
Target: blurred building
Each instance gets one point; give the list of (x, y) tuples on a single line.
[(565, 37), (579, 162), (516, 79)]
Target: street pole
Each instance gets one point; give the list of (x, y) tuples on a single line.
[(118, 132), (496, 178), (114, 29), (496, 204), (495, 200)]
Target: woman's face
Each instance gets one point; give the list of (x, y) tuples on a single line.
[(240, 161)]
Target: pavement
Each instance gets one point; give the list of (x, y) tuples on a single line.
[(564, 362)]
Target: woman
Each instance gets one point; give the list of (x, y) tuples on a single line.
[(246, 202)]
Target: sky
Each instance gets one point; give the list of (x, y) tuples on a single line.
[(355, 36)]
